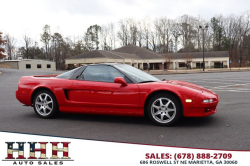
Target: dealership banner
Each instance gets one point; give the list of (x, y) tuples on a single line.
[(28, 149)]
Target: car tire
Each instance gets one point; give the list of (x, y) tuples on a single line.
[(45, 104), (164, 109)]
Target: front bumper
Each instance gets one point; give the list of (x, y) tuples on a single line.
[(201, 109), (200, 112)]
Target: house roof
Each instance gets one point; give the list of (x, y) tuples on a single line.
[(90, 54), (139, 51), (135, 52), (126, 55), (104, 54), (20, 60), (192, 55)]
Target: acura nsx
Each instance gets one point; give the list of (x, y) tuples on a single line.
[(115, 89)]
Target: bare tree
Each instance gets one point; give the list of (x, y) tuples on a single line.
[(10, 46), (45, 38), (112, 38), (162, 28), (175, 30), (132, 31), (188, 32), (27, 42), (104, 36), (153, 40), (225, 33), (244, 30), (140, 34), (123, 33), (147, 31)]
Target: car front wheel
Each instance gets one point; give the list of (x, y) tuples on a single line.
[(164, 109), (45, 104)]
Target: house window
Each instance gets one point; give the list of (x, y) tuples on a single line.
[(199, 65), (48, 66), (182, 64), (28, 66), (156, 66), (39, 66), (218, 64)]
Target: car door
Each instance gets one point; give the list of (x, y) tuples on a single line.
[(95, 91)]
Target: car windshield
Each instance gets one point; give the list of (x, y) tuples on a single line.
[(67, 74), (136, 74)]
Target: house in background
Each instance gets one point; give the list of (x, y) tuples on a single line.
[(194, 60), (29, 64), (143, 59), (132, 55), (150, 58)]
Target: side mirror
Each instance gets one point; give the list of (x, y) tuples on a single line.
[(120, 80)]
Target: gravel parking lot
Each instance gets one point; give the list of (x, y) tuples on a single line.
[(227, 129)]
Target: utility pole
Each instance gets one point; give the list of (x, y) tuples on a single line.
[(203, 29), (176, 35), (176, 39)]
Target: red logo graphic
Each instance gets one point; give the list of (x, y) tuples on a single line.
[(42, 150)]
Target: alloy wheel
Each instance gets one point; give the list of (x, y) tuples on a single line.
[(44, 104), (163, 110)]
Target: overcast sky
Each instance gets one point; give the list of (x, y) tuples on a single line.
[(73, 17)]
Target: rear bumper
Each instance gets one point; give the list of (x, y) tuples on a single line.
[(22, 97)]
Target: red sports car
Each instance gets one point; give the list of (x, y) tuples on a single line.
[(115, 89)]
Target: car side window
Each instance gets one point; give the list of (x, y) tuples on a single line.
[(102, 73)]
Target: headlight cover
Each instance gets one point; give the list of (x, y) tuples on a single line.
[(208, 100)]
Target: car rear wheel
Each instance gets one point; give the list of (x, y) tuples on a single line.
[(164, 109), (45, 104)]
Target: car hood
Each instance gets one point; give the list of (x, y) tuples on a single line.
[(187, 85)]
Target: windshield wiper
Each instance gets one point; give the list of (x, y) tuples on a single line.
[(146, 81)]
